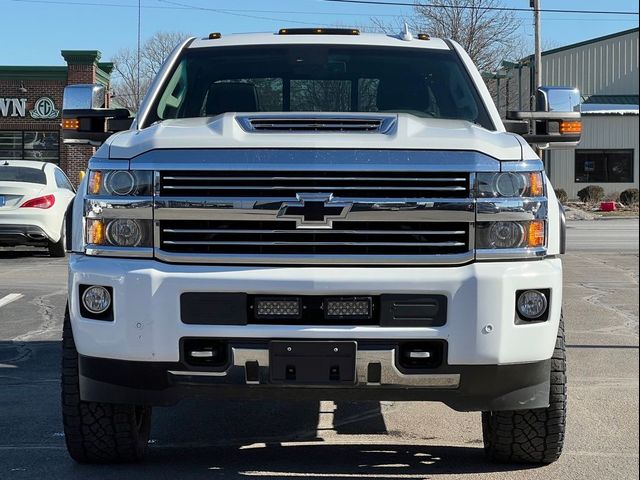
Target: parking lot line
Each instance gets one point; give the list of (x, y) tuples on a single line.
[(12, 297)]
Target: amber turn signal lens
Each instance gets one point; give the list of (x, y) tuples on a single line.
[(70, 124), (95, 232), (535, 234), (95, 182), (536, 187), (571, 127)]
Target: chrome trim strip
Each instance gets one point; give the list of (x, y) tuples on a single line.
[(119, 207), (266, 209), (298, 188), (335, 244), (109, 251), (511, 209), (299, 259), (221, 231), (282, 178), (321, 160), (491, 254), (195, 373)]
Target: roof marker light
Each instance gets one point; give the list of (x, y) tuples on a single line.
[(318, 31), (215, 36), (424, 36)]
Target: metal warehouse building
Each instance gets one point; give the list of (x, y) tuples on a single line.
[(605, 69)]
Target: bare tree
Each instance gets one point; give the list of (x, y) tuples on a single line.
[(129, 88), (487, 35)]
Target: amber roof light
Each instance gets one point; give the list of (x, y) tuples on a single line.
[(319, 31)]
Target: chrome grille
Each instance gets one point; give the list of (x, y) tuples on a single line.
[(282, 238), (258, 184)]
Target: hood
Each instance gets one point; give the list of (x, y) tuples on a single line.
[(407, 132)]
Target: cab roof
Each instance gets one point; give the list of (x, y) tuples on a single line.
[(363, 39)]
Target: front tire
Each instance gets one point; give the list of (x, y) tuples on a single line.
[(535, 435), (97, 432)]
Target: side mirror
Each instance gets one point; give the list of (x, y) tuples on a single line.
[(555, 124), (85, 119)]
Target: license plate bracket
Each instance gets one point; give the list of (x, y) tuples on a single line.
[(312, 362)]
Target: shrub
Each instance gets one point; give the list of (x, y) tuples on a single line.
[(612, 197), (629, 196), (591, 194), (562, 195)]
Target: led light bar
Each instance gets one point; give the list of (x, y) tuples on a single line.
[(273, 308), (347, 308)]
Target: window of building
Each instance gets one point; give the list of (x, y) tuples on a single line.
[(604, 166), (42, 146)]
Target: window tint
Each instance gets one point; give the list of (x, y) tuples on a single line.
[(62, 181), (606, 166), (22, 174), (320, 78)]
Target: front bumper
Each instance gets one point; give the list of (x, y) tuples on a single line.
[(492, 362), (480, 327)]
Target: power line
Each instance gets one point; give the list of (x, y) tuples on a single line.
[(238, 12), (471, 7)]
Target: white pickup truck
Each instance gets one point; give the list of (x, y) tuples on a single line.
[(316, 214)]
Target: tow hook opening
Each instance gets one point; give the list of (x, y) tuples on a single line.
[(205, 352), (420, 355)]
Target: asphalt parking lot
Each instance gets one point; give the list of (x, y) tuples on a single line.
[(391, 440)]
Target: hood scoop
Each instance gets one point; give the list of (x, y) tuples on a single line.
[(309, 123)]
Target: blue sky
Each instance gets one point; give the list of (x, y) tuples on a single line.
[(32, 32)]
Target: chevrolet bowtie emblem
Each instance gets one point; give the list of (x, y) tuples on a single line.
[(314, 210)]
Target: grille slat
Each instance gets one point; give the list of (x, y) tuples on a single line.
[(382, 185), (282, 237)]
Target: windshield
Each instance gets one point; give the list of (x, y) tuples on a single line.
[(320, 78), (22, 174)]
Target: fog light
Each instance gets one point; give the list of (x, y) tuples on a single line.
[(347, 308), (532, 304), (96, 299), (267, 308)]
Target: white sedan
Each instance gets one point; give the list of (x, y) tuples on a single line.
[(34, 198)]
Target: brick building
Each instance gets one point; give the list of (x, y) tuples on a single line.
[(31, 105)]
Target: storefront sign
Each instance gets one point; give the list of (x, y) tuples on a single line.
[(13, 107), (44, 109)]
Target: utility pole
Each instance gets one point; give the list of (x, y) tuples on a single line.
[(535, 4)]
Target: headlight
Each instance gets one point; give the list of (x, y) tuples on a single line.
[(119, 182), (509, 184), (501, 235), (118, 213), (119, 232), (505, 235)]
